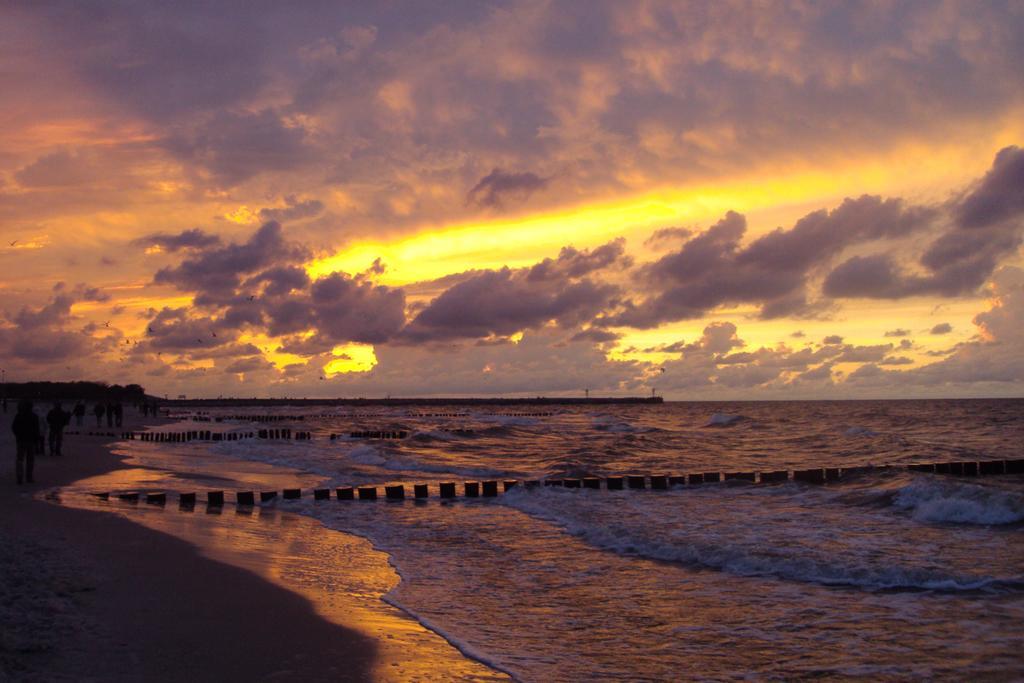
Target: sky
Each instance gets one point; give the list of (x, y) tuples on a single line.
[(698, 200)]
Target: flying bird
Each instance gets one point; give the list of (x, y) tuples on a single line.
[(14, 242), (106, 324)]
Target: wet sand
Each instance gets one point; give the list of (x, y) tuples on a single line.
[(91, 595)]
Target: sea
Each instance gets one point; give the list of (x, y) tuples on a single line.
[(890, 574)]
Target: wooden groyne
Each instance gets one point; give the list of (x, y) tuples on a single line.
[(491, 488)]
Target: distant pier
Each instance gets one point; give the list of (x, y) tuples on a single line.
[(362, 402)]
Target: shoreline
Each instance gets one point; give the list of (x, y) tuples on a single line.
[(92, 595)]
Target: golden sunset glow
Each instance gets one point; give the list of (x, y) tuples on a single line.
[(351, 358), (640, 208)]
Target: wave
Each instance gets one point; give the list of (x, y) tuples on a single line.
[(505, 420), (930, 499), (859, 431), (366, 455), (724, 420), (606, 423), (630, 533)]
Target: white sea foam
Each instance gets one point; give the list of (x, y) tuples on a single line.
[(633, 531), (724, 420), (504, 420), (930, 499), (366, 455), (607, 423)]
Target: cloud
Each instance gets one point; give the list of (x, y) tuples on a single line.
[(215, 273), (293, 210), (503, 302), (62, 168), (999, 196), (179, 329), (942, 328), (346, 309), (898, 332), (194, 238), (595, 336), (987, 226), (667, 235), (990, 364), (712, 269), (498, 187), (234, 147), (573, 263)]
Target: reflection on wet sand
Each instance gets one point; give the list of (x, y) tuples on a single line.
[(341, 575)]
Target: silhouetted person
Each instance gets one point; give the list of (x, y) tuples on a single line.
[(145, 409), (79, 413), (26, 435), (5, 405), (57, 418), (41, 441), (118, 413), (98, 411), (110, 415)]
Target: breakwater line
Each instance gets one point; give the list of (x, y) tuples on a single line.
[(491, 488)]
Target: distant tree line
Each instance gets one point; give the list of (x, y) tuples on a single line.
[(74, 391)]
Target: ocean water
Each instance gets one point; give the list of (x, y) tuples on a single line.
[(887, 576)]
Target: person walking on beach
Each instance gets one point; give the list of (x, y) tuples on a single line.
[(118, 413), (98, 411), (79, 413), (26, 436), (110, 414), (57, 419)]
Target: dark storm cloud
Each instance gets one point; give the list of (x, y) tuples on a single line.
[(348, 309), (987, 226), (215, 274), (164, 60), (504, 302), (56, 312), (597, 336), (498, 187), (195, 238), (42, 335), (250, 364), (712, 269), (574, 263), (278, 281), (294, 210), (999, 195), (234, 147), (179, 329)]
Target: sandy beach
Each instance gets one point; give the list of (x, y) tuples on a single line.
[(91, 596)]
